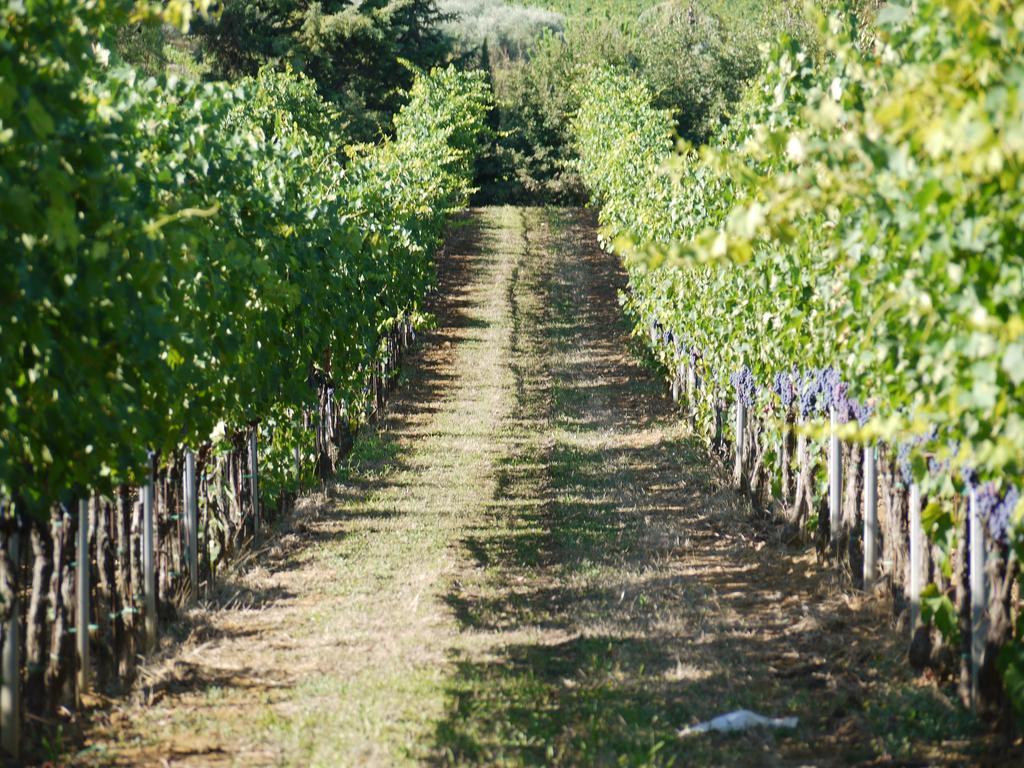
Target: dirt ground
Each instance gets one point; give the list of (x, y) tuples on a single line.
[(531, 561)]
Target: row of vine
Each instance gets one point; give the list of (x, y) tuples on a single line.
[(185, 263), (851, 243)]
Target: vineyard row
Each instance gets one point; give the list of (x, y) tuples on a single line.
[(204, 299), (842, 266)]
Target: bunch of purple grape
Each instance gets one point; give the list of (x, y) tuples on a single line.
[(904, 450), (994, 508), (938, 466), (784, 386), (839, 400), (816, 391), (861, 411), (822, 390), (846, 407), (903, 461), (743, 382)]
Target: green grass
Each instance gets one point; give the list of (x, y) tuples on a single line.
[(538, 697), (532, 562), (905, 716)]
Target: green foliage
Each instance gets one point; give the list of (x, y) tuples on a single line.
[(901, 719), (748, 10), (694, 61), (937, 608), (1011, 667), (861, 211), (142, 45), (357, 52), (534, 98), (181, 258)]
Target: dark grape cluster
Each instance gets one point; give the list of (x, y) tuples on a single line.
[(938, 466), (861, 411), (822, 390), (816, 391), (905, 449), (995, 508), (830, 382), (999, 522), (840, 401), (784, 385), (903, 461), (743, 382)]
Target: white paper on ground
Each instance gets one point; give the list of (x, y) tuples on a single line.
[(740, 720)]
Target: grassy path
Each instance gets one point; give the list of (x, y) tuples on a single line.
[(530, 562)]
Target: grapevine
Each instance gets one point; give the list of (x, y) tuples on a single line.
[(858, 223)]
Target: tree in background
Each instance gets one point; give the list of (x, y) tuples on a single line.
[(694, 55), (695, 63), (357, 52)]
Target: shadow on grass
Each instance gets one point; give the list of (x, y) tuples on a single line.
[(649, 595), (562, 704), (427, 377), (566, 549), (379, 454)]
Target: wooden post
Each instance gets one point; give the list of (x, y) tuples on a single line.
[(298, 452), (254, 488), (870, 515), (691, 390), (741, 431), (148, 564), (916, 556), (835, 480), (979, 596), (10, 692), (82, 597), (192, 524)]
